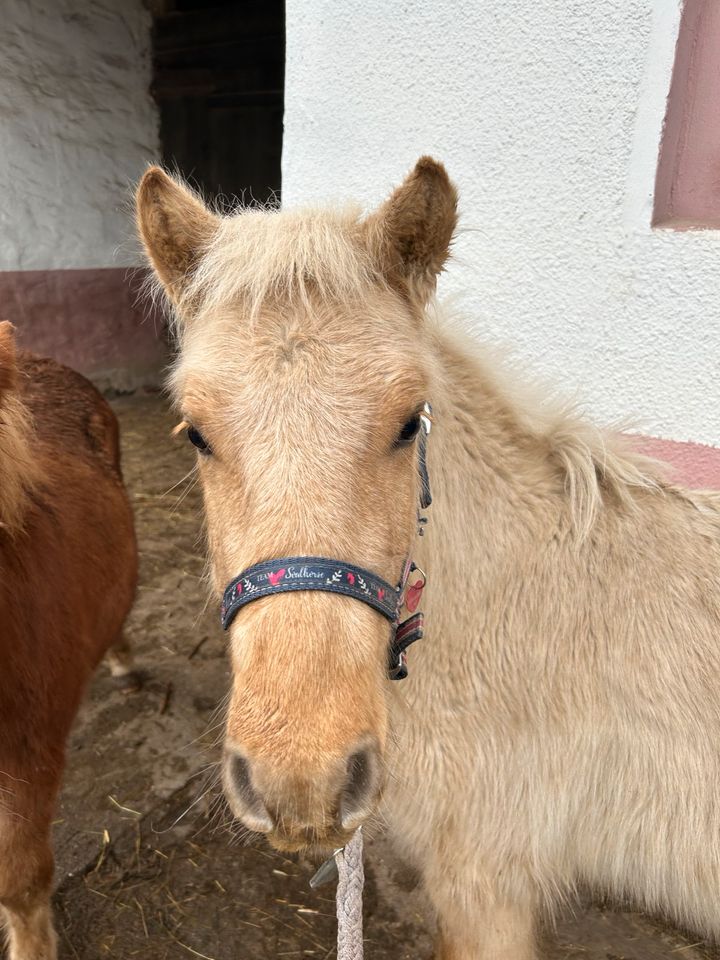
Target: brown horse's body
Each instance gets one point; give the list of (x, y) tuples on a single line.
[(68, 568), (561, 722)]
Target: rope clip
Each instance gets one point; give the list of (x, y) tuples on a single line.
[(326, 872)]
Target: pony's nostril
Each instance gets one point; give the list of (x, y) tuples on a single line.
[(238, 783), (361, 787)]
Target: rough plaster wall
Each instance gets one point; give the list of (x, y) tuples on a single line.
[(548, 115), (77, 125)]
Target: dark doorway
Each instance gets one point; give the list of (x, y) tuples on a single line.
[(218, 69)]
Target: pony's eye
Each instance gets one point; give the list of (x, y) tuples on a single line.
[(198, 440), (409, 431)]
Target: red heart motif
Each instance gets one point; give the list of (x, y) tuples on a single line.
[(275, 578), (351, 579), (381, 593), (238, 589)]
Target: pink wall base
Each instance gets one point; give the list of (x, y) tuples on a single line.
[(692, 464), (92, 320)]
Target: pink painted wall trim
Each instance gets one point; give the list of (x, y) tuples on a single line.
[(691, 464), (687, 186), (93, 320)]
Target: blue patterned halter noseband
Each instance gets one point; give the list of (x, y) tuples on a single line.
[(291, 574)]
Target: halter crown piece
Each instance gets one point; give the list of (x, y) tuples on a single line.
[(290, 574)]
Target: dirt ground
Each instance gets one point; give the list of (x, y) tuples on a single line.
[(148, 864)]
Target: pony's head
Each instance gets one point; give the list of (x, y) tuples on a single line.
[(302, 376)]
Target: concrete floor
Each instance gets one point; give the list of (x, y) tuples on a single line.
[(148, 864)]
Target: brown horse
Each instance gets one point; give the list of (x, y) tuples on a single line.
[(68, 569), (561, 721)]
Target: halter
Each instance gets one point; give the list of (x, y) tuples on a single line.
[(291, 574)]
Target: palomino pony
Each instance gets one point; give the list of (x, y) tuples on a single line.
[(68, 568), (561, 721)]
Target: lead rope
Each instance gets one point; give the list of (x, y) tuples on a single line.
[(348, 898)]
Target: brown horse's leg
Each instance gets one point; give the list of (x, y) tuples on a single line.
[(479, 931), (26, 868), (122, 665)]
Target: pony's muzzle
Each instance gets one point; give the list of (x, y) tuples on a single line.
[(304, 808)]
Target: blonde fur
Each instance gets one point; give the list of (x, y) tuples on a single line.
[(594, 461), (268, 255), (561, 720)]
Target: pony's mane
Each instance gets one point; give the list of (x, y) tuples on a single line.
[(597, 462), (19, 470), (262, 255)]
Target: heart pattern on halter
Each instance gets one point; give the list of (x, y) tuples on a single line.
[(275, 578)]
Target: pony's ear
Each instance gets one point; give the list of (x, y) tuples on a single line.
[(8, 366), (174, 225), (412, 230)]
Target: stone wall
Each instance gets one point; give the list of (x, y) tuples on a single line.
[(77, 127)]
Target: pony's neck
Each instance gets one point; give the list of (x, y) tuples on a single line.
[(519, 482), (494, 468), (19, 467), (508, 449)]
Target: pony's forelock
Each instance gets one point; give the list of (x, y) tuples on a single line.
[(267, 255)]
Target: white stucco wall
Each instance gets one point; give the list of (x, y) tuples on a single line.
[(548, 115), (77, 125)]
